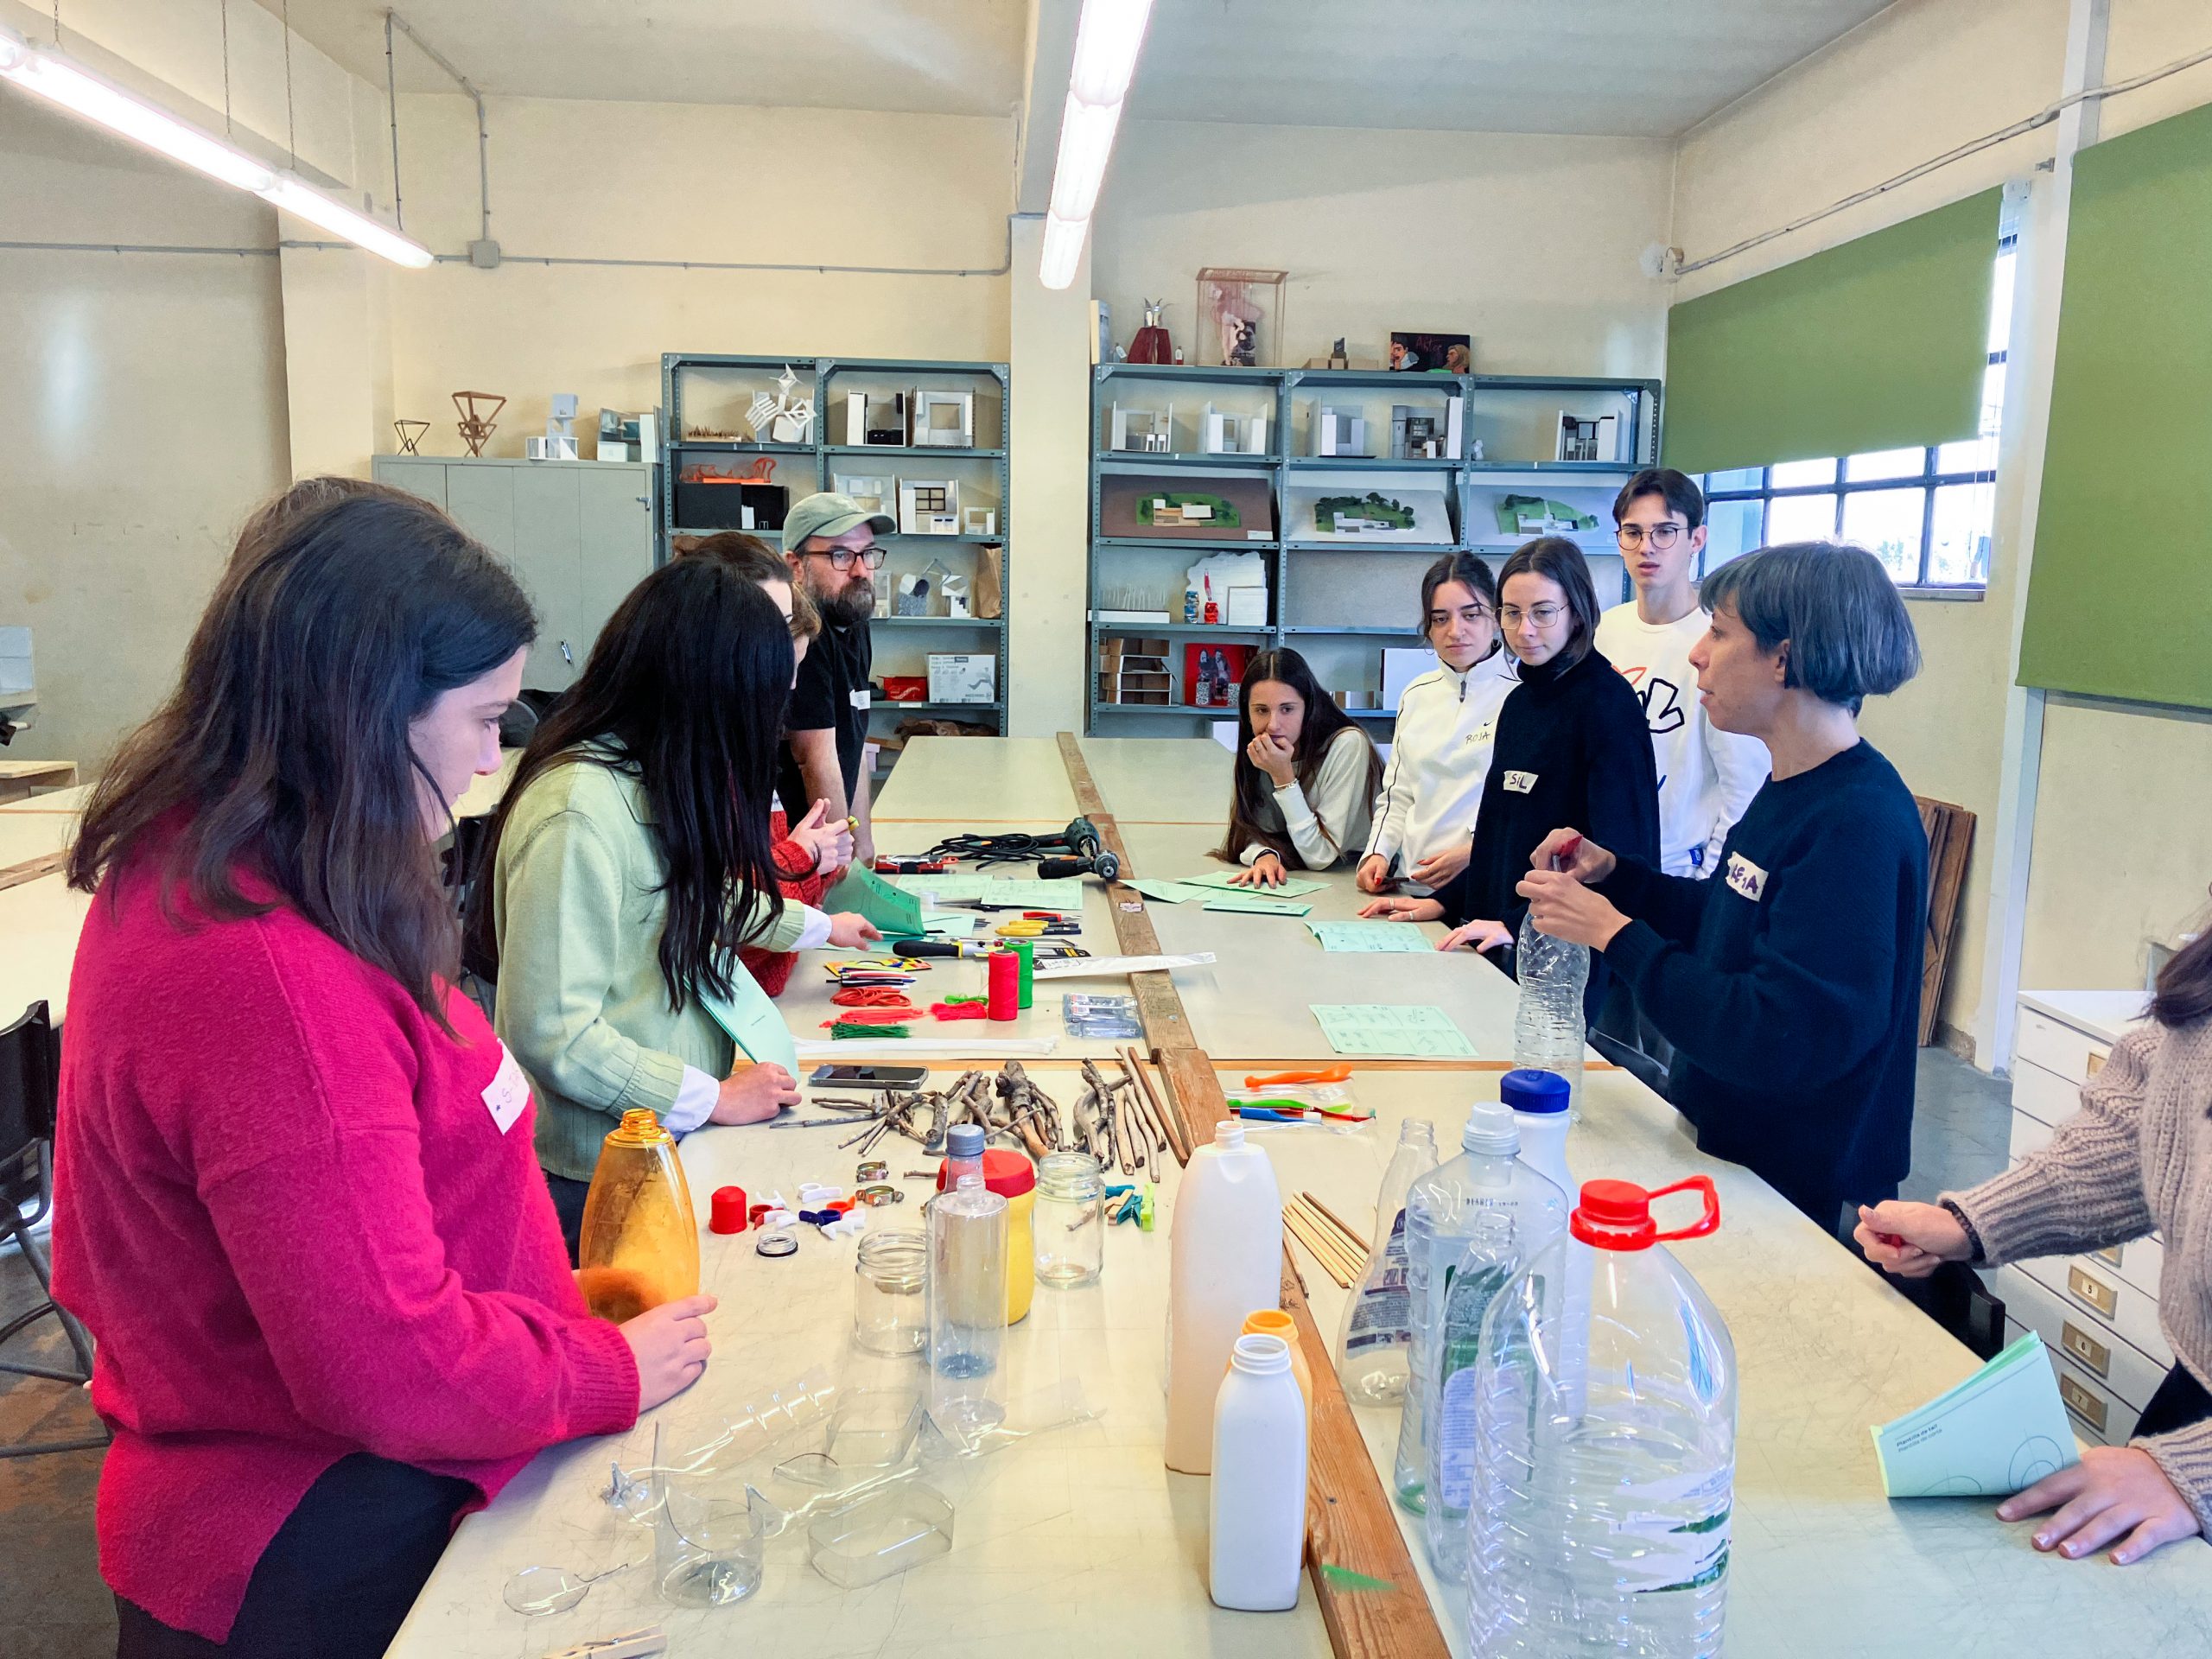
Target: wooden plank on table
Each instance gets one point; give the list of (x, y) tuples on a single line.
[(31, 868)]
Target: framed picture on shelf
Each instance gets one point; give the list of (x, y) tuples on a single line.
[(1176, 508), (1419, 354), (1240, 317), (1211, 674), (1349, 513), (928, 506), (873, 492)]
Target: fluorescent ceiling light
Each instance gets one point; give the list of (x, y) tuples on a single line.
[(296, 195), (59, 80), (1107, 39), (55, 78)]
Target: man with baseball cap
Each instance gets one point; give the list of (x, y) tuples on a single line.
[(829, 544)]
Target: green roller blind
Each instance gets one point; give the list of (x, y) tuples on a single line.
[(2119, 602), (1879, 344)]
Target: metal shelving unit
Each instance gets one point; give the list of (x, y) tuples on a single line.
[(1280, 395), (891, 635)]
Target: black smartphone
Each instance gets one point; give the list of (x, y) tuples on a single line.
[(871, 1077)]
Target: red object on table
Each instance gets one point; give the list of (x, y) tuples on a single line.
[(1006, 1171), (961, 1010), (729, 1212), (1005, 985)]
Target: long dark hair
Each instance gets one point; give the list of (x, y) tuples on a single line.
[(686, 685), (1562, 561), (1324, 720), (2185, 983), (283, 751)]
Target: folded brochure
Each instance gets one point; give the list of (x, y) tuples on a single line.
[(1999, 1431)]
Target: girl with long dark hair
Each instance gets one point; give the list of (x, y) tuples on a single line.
[(2136, 1157), (297, 1204), (1306, 775), (630, 860)]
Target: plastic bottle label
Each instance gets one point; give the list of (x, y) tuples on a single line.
[(1673, 1533), (1382, 1317), (1467, 1297)]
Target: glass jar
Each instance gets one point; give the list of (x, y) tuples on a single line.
[(1070, 1219), (889, 1315)]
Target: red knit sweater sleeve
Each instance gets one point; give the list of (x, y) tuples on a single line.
[(325, 1219)]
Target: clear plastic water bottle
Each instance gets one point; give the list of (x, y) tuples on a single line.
[(1605, 1445), (1444, 1213), (1373, 1341), (1547, 1029), (967, 1295)]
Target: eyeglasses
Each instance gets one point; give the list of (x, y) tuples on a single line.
[(1661, 536), (842, 558), (1542, 615)]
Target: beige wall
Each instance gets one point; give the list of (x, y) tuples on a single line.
[(145, 397), (1529, 244)]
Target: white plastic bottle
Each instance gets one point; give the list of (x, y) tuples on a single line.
[(1226, 1261), (1376, 1334), (1255, 1514), (1605, 1445), (1440, 1219), (1547, 1026), (1539, 1102)]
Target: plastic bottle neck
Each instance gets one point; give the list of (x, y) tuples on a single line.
[(1259, 1355)]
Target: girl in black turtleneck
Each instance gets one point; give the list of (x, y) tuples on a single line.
[(1572, 747)]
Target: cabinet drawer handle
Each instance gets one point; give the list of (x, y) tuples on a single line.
[(2083, 1403), (2110, 1253), (2097, 1059), (2085, 1348), (2098, 1294)]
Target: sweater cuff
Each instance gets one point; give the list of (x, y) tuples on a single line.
[(603, 1378), (2184, 1456), (1633, 950), (657, 1083), (2010, 1213)]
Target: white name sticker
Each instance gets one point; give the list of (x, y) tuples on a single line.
[(1746, 877), (508, 1091), (859, 699), (1521, 783)]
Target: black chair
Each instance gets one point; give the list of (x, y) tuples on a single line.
[(30, 1072)]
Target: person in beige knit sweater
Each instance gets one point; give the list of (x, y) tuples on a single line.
[(2138, 1155)]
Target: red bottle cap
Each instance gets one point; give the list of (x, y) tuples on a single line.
[(728, 1214), (1617, 1214), (1007, 1173)]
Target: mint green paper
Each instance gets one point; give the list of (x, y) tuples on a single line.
[(1255, 904), (1396, 937), (1421, 1031), (1168, 892), (895, 910), (755, 1024), (1033, 892), (1227, 879), (1999, 1431)]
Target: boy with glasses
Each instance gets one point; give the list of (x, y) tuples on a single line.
[(1706, 776), (829, 544)]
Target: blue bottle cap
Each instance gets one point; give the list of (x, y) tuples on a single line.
[(966, 1141), (1530, 1091)]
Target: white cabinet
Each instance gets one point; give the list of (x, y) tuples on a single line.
[(2097, 1314), (578, 534)]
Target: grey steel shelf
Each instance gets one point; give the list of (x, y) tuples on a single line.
[(1460, 477), (818, 373)]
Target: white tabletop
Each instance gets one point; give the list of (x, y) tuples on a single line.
[(984, 781), (39, 920), (27, 838), (70, 800)]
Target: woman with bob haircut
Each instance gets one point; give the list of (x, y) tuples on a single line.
[(1789, 983), (297, 1202)]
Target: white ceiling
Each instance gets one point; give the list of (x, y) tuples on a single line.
[(1640, 67)]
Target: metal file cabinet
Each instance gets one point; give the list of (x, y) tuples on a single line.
[(580, 535), (2098, 1313)]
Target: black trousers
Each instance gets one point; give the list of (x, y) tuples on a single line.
[(2180, 1401), (568, 1203), (336, 1580)]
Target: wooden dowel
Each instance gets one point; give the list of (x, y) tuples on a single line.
[(1339, 1253), (1341, 1226), (1296, 1222), (1170, 1120)]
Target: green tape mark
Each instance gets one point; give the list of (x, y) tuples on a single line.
[(1345, 1578)]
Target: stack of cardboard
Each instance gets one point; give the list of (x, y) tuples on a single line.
[(1131, 670)]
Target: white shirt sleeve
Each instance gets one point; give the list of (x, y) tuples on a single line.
[(1741, 765), (695, 1101), (1340, 790), (1393, 802), (814, 933)]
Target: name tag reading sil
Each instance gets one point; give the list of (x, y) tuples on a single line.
[(1521, 783)]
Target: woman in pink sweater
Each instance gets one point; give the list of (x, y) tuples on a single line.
[(297, 1202)]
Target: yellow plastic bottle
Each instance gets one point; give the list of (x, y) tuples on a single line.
[(639, 1246)]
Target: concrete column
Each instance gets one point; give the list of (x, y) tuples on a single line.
[(337, 357)]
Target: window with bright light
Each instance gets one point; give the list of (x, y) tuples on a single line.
[(1926, 514)]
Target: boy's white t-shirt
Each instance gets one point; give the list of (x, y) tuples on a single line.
[(1706, 776)]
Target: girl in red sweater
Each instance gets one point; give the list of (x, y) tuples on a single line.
[(297, 1202)]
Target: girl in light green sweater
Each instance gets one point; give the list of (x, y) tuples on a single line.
[(629, 860)]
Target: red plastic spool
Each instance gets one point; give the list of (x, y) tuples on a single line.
[(1617, 1214), (1005, 986)]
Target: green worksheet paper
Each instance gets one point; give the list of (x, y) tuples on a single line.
[(896, 910), (1397, 937), (1999, 1432), (1290, 889), (1064, 892), (752, 1021), (1418, 1030), (1168, 892), (1255, 903)]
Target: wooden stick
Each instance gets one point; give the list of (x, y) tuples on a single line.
[(1297, 1224), (1356, 1259), (1322, 1237), (1341, 1225), (1171, 1122)]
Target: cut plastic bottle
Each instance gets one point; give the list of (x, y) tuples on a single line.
[(1375, 1339)]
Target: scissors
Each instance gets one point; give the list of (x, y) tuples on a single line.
[(1038, 927)]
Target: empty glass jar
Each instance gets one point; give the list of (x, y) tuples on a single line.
[(1069, 1224), (889, 1313)]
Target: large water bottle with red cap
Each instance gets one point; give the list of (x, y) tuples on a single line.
[(1606, 1445)]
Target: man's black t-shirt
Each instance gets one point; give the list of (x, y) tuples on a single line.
[(831, 695)]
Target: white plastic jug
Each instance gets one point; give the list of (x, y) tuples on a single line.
[(1226, 1261)]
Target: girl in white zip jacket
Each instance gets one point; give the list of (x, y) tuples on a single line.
[(1424, 818)]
